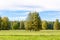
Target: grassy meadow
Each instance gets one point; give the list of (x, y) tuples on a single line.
[(29, 35), (27, 32)]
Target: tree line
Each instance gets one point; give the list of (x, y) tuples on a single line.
[(32, 22)]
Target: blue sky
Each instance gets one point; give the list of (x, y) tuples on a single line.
[(18, 9)]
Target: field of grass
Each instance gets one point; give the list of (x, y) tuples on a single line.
[(24, 32), (29, 35)]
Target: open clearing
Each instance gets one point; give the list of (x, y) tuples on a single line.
[(29, 35), (23, 32)]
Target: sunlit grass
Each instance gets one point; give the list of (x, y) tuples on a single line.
[(27, 32), (29, 37)]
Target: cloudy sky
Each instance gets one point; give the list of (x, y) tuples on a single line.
[(18, 9)]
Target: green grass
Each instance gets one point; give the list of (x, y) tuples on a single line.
[(23, 32), (49, 37), (29, 35)]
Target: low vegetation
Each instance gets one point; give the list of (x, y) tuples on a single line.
[(29, 35), (27, 32)]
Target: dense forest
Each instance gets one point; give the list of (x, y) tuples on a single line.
[(32, 22)]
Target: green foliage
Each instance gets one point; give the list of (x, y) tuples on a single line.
[(15, 25), (28, 22), (22, 25), (26, 25), (0, 23), (33, 21), (36, 21), (50, 25), (5, 23), (56, 25), (44, 25)]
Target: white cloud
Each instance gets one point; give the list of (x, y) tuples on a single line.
[(43, 4)]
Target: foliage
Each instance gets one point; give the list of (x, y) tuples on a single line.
[(15, 25), (0, 23), (22, 25), (56, 25), (33, 21), (5, 23), (50, 25), (44, 25)]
